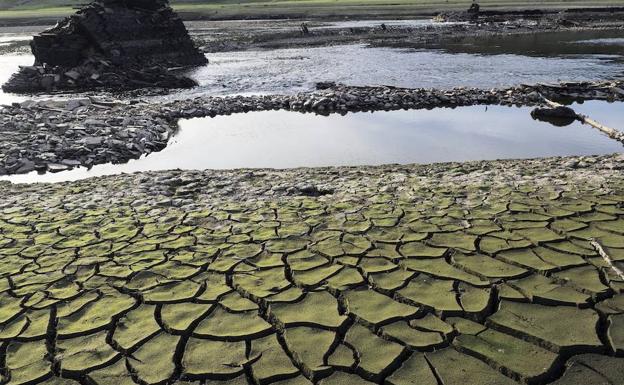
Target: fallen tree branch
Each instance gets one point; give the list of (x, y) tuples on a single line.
[(607, 258), (610, 132)]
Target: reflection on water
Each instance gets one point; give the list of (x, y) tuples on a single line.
[(615, 41), (608, 114), (9, 64), (544, 44), (531, 58), (284, 139)]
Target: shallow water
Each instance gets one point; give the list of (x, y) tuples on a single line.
[(284, 139), (607, 41), (483, 63), (569, 44), (203, 27), (9, 64), (10, 37), (293, 70)]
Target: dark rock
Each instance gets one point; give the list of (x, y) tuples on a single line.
[(325, 85), (142, 31), (47, 81), (474, 8), (558, 116), (114, 44)]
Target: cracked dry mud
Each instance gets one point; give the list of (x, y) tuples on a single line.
[(476, 273)]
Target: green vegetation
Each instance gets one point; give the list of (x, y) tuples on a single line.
[(227, 9)]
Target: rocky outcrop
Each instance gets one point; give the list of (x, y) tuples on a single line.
[(112, 44)]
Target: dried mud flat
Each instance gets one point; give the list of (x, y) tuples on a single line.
[(504, 272), (475, 273)]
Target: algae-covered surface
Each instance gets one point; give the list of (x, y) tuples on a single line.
[(477, 273)]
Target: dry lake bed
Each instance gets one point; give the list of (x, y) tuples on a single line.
[(408, 222)]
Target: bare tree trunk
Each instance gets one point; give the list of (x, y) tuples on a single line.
[(610, 132)]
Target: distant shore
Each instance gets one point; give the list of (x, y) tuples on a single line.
[(306, 10)]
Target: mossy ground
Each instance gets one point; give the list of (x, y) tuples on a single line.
[(453, 274)]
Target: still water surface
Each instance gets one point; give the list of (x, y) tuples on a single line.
[(284, 139)]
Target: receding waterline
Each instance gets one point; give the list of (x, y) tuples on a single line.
[(284, 139)]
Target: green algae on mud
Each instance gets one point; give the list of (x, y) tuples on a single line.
[(459, 273)]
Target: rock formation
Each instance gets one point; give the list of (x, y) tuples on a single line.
[(114, 44), (557, 116)]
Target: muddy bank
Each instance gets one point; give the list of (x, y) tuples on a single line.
[(570, 16), (60, 135), (219, 34), (336, 182), (238, 36)]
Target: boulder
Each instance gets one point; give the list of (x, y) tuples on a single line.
[(557, 116), (133, 42)]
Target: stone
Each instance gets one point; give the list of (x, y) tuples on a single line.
[(73, 74), (112, 44), (557, 116)]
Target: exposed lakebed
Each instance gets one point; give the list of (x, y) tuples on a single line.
[(284, 139)]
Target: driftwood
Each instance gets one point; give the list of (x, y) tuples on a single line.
[(610, 132), (598, 247)]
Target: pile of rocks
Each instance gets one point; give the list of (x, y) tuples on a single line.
[(111, 44), (60, 135), (94, 74), (338, 98)]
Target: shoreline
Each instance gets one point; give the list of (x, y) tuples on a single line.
[(37, 17), (339, 181), (61, 135), (500, 272)]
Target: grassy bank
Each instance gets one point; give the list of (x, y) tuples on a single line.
[(47, 11)]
